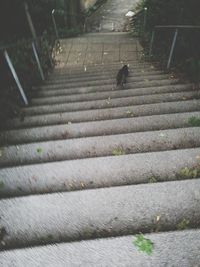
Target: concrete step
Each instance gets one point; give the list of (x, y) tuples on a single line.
[(182, 246), (97, 172), (106, 127), (104, 88), (109, 94), (105, 114), (111, 103), (107, 65), (100, 146), (110, 81), (63, 217), (84, 72), (85, 77)]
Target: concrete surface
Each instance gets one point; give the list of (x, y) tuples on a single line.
[(115, 102), (98, 128), (100, 212), (99, 146), (175, 249), (105, 114), (97, 172)]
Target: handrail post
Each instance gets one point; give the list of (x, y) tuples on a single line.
[(172, 48), (14, 74), (38, 61), (145, 18), (54, 23), (151, 43), (30, 22)]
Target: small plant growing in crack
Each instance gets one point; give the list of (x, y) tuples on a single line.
[(194, 121), (130, 113), (182, 225), (39, 150), (152, 179), (118, 152), (143, 244), (189, 173), (1, 184)]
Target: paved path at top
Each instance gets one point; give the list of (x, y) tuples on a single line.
[(98, 48), (111, 16)]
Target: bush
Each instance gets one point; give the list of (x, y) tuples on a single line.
[(24, 62), (173, 12)]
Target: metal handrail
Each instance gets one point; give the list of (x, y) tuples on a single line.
[(176, 28), (4, 50)]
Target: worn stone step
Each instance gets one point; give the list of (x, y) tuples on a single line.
[(53, 99), (100, 146), (178, 248), (98, 172), (104, 114), (107, 127), (136, 64), (115, 211), (106, 79), (74, 84), (103, 70), (116, 102), (104, 88), (85, 76)]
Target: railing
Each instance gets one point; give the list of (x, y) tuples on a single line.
[(89, 18), (176, 29), (33, 55), (139, 21), (33, 51)]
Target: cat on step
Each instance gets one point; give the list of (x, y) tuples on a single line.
[(122, 76)]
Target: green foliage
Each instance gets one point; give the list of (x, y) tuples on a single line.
[(143, 244), (1, 184), (118, 152), (93, 8), (182, 225), (152, 179), (194, 121), (172, 12), (189, 173), (39, 150)]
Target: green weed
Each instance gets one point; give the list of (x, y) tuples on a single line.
[(118, 152), (152, 179), (1, 184), (189, 173), (194, 121), (143, 244), (182, 225), (39, 150)]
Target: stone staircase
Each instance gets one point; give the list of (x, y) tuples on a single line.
[(88, 166)]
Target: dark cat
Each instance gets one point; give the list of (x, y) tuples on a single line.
[(122, 76)]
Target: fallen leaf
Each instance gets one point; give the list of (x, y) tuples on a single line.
[(157, 218), (83, 185), (162, 135)]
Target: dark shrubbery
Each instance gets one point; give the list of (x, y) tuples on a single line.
[(173, 12), (16, 38)]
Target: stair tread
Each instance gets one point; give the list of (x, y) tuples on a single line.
[(179, 248), (106, 113), (108, 212), (98, 146), (97, 128), (88, 173)]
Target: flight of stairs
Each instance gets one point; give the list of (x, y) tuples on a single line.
[(88, 166)]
